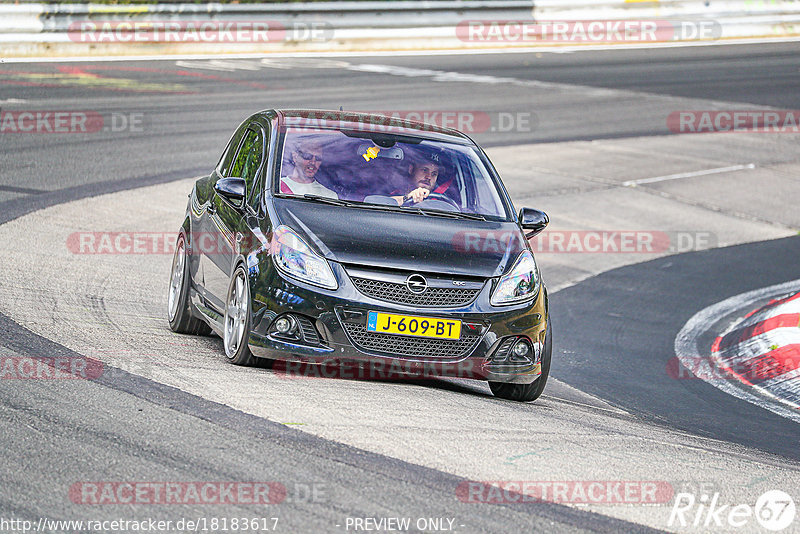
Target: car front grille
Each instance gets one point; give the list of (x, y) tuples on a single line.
[(307, 329), (442, 297), (420, 347)]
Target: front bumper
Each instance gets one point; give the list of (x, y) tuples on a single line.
[(340, 337)]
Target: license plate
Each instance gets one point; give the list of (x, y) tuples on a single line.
[(409, 325)]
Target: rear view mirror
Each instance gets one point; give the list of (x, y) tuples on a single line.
[(369, 152), (231, 188), (533, 221)]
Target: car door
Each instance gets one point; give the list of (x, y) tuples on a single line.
[(227, 217), (203, 207)]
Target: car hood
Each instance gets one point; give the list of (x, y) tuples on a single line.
[(405, 241)]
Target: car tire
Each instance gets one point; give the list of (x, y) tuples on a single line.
[(236, 323), (532, 391), (179, 313)]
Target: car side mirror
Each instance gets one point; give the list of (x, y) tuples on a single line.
[(231, 188), (533, 220)]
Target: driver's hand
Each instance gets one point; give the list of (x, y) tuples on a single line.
[(418, 194)]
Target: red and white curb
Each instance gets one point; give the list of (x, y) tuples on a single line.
[(758, 358), (764, 349)]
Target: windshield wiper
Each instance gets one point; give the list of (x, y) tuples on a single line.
[(352, 204), (389, 207), (328, 200), (449, 214)]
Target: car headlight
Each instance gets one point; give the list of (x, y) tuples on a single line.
[(520, 283), (294, 257)]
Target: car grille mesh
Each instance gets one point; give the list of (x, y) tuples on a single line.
[(420, 347), (443, 297)]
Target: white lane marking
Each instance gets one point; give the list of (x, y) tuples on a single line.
[(436, 75), (611, 409), (406, 72), (219, 65), (688, 354), (399, 53), (680, 175), (13, 101)]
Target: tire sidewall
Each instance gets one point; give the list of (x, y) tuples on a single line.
[(547, 356), (182, 308), (528, 392), (242, 355)]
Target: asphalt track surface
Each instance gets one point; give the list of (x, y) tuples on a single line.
[(627, 319), (615, 331)]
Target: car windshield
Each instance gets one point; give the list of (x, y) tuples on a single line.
[(391, 171)]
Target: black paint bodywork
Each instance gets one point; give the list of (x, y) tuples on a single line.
[(391, 244)]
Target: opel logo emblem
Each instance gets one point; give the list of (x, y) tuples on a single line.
[(416, 283)]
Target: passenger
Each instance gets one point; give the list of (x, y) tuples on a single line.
[(423, 178), (307, 158)]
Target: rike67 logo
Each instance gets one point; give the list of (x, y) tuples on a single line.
[(774, 510)]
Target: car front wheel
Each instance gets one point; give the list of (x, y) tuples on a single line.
[(532, 391), (237, 320)]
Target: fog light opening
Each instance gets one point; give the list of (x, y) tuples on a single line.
[(521, 351), (521, 348), (284, 325)]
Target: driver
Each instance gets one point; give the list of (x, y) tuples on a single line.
[(422, 180), (307, 158)]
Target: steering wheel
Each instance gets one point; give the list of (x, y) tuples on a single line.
[(435, 196)]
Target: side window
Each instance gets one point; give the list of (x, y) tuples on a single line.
[(258, 189), (249, 158), (487, 197), (225, 162)]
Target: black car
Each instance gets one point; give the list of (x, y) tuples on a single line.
[(385, 244)]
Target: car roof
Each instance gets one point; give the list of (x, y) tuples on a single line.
[(349, 120)]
